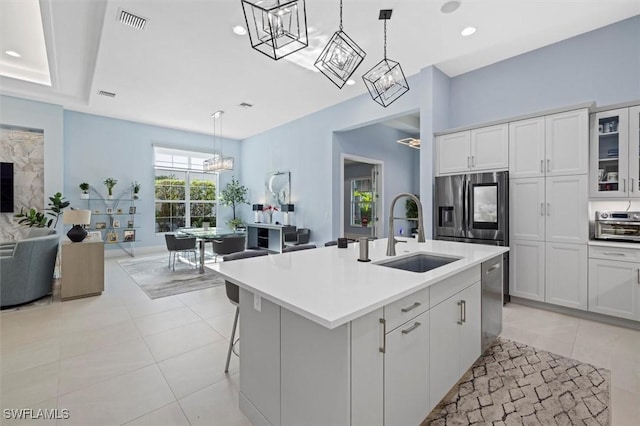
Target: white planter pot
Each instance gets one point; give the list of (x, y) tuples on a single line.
[(84, 196)]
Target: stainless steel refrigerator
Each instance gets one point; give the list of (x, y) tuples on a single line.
[(474, 208)]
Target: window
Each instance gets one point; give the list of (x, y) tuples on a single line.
[(185, 196), (362, 204)]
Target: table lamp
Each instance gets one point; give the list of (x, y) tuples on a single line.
[(77, 218), (287, 209), (257, 213)]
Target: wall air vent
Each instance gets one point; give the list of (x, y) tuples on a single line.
[(134, 21), (107, 94), (246, 105)]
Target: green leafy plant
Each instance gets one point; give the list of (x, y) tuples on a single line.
[(110, 183), (57, 204), (412, 212), (232, 196), (234, 223), (84, 187), (33, 218)]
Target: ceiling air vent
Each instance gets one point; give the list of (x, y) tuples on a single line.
[(246, 105), (107, 94), (134, 21)]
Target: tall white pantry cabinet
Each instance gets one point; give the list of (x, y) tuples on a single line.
[(548, 191)]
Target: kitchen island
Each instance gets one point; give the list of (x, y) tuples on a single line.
[(328, 340)]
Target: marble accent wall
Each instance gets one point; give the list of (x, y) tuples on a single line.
[(25, 149)]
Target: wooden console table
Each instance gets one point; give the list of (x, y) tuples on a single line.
[(82, 269), (267, 236)]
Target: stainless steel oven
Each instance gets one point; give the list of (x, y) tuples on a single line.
[(618, 226)]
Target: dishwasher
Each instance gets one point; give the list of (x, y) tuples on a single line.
[(491, 310)]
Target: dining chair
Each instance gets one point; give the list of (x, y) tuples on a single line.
[(289, 249), (177, 245), (227, 245), (233, 294)]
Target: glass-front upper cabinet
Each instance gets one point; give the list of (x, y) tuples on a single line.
[(634, 151), (611, 155)]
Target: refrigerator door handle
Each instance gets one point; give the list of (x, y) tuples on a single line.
[(464, 205)]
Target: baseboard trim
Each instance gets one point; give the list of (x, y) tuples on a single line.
[(253, 414), (593, 316)]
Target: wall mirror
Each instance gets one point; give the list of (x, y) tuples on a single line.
[(277, 188)]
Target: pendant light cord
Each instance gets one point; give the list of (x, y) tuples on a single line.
[(340, 15), (385, 39)]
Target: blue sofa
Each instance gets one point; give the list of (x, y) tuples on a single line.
[(26, 273)]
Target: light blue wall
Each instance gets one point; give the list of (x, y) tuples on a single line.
[(601, 66), (48, 117), (305, 148), (98, 147)]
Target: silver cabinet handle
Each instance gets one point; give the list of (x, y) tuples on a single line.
[(613, 253), (461, 321), (464, 311), (473, 161), (548, 209), (493, 268), (624, 185), (548, 165), (383, 348), (468, 162), (413, 327), (541, 209), (630, 184), (638, 276), (410, 308), (541, 166)]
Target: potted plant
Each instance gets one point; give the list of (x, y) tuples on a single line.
[(84, 187), (232, 196), (110, 183), (136, 189), (33, 218)]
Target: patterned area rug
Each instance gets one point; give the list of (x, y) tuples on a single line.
[(156, 280), (515, 384)]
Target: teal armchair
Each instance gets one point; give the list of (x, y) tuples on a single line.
[(26, 272)]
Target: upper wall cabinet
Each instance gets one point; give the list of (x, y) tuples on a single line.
[(486, 148), (554, 145), (615, 154)]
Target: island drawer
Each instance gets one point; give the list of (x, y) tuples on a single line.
[(622, 254), (401, 311), (452, 285)]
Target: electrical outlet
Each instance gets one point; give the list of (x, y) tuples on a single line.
[(257, 302)]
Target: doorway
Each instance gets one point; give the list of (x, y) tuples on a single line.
[(361, 197)]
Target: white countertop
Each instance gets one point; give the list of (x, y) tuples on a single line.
[(329, 286), (620, 244)]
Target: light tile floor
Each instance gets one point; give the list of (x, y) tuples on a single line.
[(122, 359)]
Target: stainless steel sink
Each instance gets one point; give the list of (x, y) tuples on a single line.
[(418, 262)]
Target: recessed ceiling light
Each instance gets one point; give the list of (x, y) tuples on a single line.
[(351, 82), (450, 6), (13, 53), (468, 31), (240, 30)]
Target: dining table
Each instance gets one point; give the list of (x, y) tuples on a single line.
[(206, 235)]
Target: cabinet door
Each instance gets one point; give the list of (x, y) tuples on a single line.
[(634, 152), (566, 275), (444, 349), (567, 143), (490, 148), (610, 155), (566, 209), (526, 148), (406, 373), (452, 153), (526, 269), (613, 288), (470, 331), (527, 209)]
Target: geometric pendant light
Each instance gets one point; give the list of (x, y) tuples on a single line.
[(218, 162), (340, 57), (386, 81), (277, 28)]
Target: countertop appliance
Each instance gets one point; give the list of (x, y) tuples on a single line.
[(617, 226), (474, 208)]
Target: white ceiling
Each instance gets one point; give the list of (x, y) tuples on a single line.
[(188, 63)]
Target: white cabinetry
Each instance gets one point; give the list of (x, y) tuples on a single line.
[(548, 208), (406, 373), (454, 340), (486, 148), (615, 154), (614, 281), (554, 145)]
